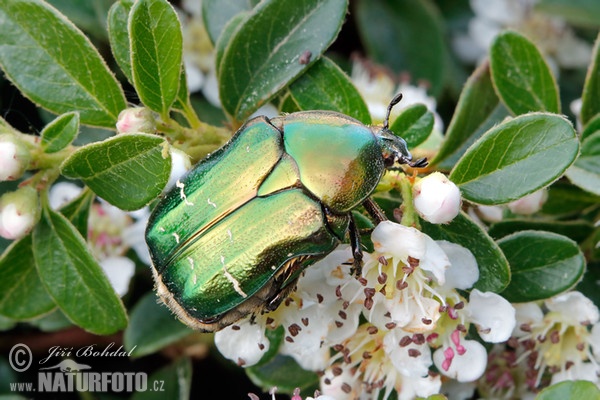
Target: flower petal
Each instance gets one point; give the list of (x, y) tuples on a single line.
[(493, 315), (244, 342)]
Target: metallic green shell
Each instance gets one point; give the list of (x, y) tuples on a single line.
[(339, 158), (232, 236)]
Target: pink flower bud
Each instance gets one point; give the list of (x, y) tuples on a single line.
[(436, 198), (529, 204), (14, 158), (19, 212), (136, 119)]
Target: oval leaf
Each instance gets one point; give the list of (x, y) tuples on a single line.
[(565, 199), (543, 264), (55, 65), (590, 99), (521, 76), (414, 124), (494, 273), (156, 53), (325, 86), (70, 273), (271, 43), (533, 150), (388, 29), (478, 109), (22, 295), (217, 13), (118, 17), (152, 326), (128, 171), (59, 133), (578, 230), (282, 372), (585, 173)]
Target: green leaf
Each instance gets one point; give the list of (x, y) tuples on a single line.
[(73, 278), (590, 98), (389, 30), (55, 321), (234, 24), (22, 295), (543, 264), (584, 13), (585, 173), (55, 65), (171, 382), (570, 390), (128, 171), (284, 373), (313, 91), (566, 199), (217, 13), (88, 15), (156, 53), (78, 211), (592, 126), (494, 273), (59, 133), (578, 230), (271, 43), (151, 327), (118, 35), (532, 150), (521, 76), (478, 110), (414, 124)]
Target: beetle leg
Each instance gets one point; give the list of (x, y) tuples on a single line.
[(374, 210), (357, 253)]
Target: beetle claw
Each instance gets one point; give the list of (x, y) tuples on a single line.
[(420, 163)]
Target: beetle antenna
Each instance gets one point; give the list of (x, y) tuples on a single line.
[(395, 100)]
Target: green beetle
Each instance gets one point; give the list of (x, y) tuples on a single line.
[(231, 238)]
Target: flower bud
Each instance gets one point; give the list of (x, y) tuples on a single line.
[(436, 198), (19, 212), (529, 204), (136, 119), (14, 158)]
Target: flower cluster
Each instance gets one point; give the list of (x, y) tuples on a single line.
[(385, 330), (555, 38), (554, 340)]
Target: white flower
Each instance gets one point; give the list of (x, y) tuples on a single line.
[(561, 339), (554, 38), (62, 193), (404, 263), (19, 212), (490, 213), (119, 271), (244, 342), (377, 89), (529, 204), (463, 271), (463, 360), (14, 158), (319, 316), (493, 315), (436, 198)]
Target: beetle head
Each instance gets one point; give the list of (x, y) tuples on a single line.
[(395, 149)]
